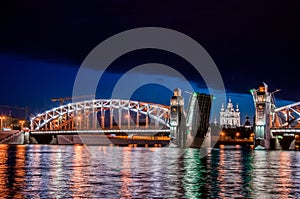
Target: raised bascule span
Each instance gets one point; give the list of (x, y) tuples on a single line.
[(190, 128), (192, 112), (275, 127)]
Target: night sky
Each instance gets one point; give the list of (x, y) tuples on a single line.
[(43, 44)]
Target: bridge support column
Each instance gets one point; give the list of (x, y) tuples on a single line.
[(292, 145), (263, 104), (177, 122), (128, 119), (277, 143), (111, 118), (147, 121), (95, 121), (156, 121), (72, 123), (26, 138), (54, 140), (120, 118), (102, 118), (137, 120)]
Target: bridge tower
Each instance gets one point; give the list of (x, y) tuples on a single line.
[(177, 120), (263, 103)]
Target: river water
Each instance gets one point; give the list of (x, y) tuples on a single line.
[(56, 171)]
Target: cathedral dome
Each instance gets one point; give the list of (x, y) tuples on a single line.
[(247, 123)]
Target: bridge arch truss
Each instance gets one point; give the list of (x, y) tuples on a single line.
[(92, 114)]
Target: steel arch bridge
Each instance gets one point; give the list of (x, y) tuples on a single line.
[(85, 115)]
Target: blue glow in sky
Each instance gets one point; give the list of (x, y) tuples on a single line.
[(32, 83)]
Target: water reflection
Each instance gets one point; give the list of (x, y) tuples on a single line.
[(77, 177), (273, 174), (19, 168), (3, 171), (195, 177), (11, 170), (285, 174), (45, 171), (126, 178)]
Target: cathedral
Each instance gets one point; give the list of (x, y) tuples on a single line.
[(230, 117)]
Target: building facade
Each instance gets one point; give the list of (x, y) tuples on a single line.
[(230, 117)]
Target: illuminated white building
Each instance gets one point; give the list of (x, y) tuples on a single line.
[(230, 117)]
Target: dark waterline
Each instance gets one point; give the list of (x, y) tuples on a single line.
[(48, 171)]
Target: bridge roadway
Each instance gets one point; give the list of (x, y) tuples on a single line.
[(117, 137), (11, 137), (73, 137), (97, 131), (282, 131)]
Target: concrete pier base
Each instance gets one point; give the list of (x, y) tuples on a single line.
[(292, 145), (33, 140), (26, 138), (277, 145), (207, 140), (54, 140)]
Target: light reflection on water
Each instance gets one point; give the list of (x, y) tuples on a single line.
[(48, 171)]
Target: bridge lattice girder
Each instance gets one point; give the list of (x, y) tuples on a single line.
[(157, 112), (286, 116)]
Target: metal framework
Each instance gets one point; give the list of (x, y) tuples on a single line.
[(130, 131), (85, 114), (287, 116)]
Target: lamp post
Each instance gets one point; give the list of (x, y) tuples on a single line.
[(2, 118), (222, 135), (237, 135), (21, 124)]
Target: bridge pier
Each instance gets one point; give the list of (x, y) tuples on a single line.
[(277, 145), (274, 128), (26, 138), (263, 102), (287, 142), (292, 145), (54, 140), (177, 120)]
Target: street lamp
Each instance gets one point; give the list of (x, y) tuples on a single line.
[(222, 135), (252, 136), (21, 124), (2, 118)]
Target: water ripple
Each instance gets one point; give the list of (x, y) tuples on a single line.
[(46, 171)]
